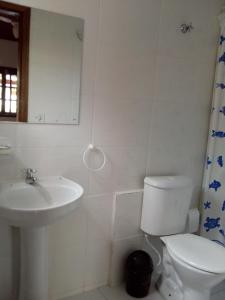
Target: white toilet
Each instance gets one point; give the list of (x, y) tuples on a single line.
[(192, 265)]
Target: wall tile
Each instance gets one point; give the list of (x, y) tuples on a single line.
[(9, 166), (185, 139), (66, 271), (9, 131), (67, 254), (69, 231), (120, 122), (97, 264), (125, 169), (202, 41), (6, 289), (125, 65), (6, 249), (204, 83), (99, 217), (120, 251), (175, 79), (119, 24), (125, 73), (127, 216)]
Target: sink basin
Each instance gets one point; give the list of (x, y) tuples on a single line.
[(22, 204), (32, 207)]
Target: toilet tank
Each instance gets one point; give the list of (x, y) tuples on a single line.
[(166, 203)]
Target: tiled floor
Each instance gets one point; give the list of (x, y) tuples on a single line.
[(118, 293), (107, 293)]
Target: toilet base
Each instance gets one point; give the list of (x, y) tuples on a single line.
[(169, 284), (171, 287), (190, 294), (169, 290)]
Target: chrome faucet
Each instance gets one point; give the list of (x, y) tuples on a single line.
[(29, 176)]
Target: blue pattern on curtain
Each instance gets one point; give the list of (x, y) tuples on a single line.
[(213, 204)]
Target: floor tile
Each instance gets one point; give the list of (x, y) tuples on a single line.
[(115, 293), (92, 295), (118, 293)]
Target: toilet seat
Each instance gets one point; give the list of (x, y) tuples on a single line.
[(197, 252)]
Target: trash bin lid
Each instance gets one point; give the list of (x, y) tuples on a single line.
[(139, 261)]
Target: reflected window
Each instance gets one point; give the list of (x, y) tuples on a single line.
[(8, 92)]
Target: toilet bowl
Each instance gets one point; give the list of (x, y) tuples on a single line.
[(199, 263), (192, 265)]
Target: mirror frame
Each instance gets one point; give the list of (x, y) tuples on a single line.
[(23, 57)]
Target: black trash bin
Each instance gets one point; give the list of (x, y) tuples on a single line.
[(138, 273)]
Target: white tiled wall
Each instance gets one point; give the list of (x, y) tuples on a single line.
[(127, 214), (184, 81), (145, 94), (126, 234)]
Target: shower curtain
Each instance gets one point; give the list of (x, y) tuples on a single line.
[(213, 202)]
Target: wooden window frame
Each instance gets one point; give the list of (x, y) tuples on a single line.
[(23, 57)]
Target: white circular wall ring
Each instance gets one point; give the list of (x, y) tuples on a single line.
[(90, 148)]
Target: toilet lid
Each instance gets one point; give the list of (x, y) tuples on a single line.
[(197, 252)]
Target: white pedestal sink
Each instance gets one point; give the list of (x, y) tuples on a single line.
[(32, 208)]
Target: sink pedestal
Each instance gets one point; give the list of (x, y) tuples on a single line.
[(34, 264), (32, 208)]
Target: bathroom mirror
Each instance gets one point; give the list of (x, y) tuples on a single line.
[(40, 65)]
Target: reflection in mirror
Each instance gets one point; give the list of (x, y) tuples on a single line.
[(8, 65), (14, 44), (56, 43)]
